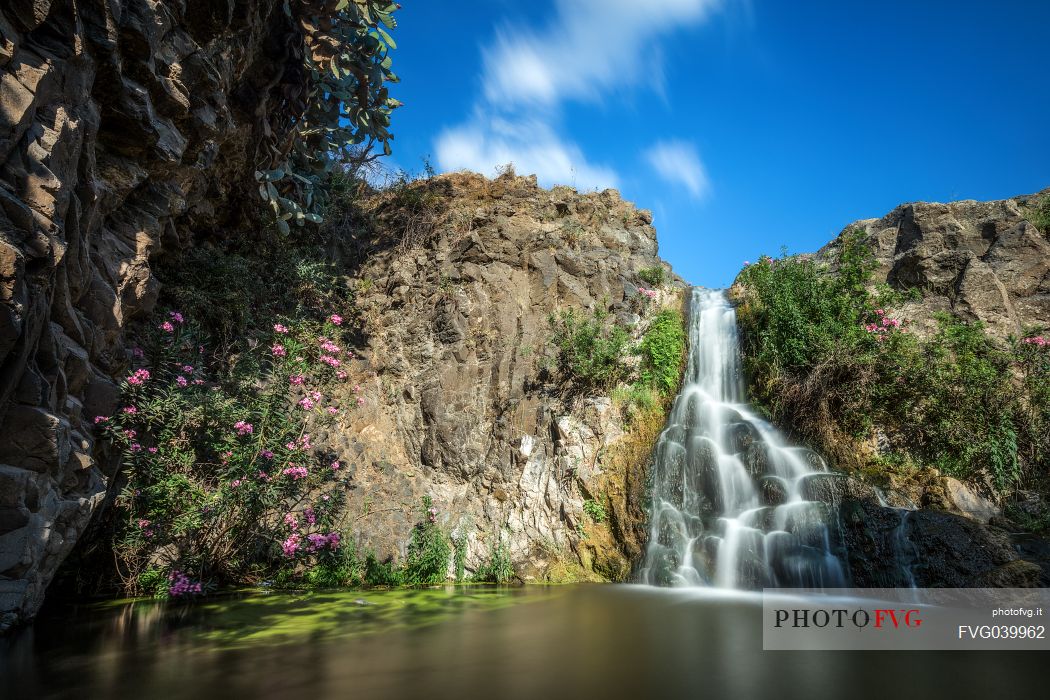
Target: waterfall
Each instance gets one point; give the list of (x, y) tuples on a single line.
[(727, 504)]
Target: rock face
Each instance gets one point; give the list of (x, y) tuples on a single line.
[(459, 404), (980, 260), (891, 547), (125, 127)]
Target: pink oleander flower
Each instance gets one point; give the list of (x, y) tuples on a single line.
[(138, 352), (130, 434), (304, 442), (167, 327), (315, 395), (296, 380), (266, 454), (356, 388), (333, 540), (176, 317), (277, 327), (139, 377), (243, 428), (181, 584), (187, 369), (235, 483), (306, 404), (263, 476), (131, 410), (198, 382), (291, 545), (336, 319), (151, 450), (143, 523), (278, 350), (336, 465), (135, 447), (330, 361), (332, 410), (295, 472), (182, 381), (291, 521), (360, 401), (330, 347), (341, 374), (101, 419), (310, 515)]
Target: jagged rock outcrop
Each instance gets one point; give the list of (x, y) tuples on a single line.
[(125, 127), (458, 403), (980, 260)]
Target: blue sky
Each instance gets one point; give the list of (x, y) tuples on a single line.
[(744, 126)]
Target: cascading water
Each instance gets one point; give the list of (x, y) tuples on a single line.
[(727, 506)]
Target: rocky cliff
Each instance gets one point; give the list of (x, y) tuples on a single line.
[(126, 128), (983, 261), (455, 302)]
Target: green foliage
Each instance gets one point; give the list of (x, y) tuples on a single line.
[(595, 510), (663, 352), (231, 294), (340, 116), (1039, 214), (153, 581), (654, 276), (338, 569), (824, 354), (590, 351), (382, 573), (429, 550), (498, 568), (459, 555)]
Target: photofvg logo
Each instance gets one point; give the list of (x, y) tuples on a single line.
[(889, 618), (840, 617)]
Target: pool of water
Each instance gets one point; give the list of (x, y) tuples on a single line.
[(469, 642)]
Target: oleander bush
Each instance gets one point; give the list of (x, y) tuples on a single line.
[(221, 482)]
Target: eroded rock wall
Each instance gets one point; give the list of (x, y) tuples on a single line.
[(458, 405), (126, 126), (984, 261)]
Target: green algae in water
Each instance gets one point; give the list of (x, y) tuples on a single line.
[(287, 617)]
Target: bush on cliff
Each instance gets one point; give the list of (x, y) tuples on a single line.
[(828, 356)]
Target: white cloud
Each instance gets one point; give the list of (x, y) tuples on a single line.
[(487, 143), (587, 49), (588, 46), (678, 163)]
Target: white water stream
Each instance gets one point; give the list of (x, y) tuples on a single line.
[(727, 506)]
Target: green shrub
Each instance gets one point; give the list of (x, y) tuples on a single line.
[(498, 568), (824, 354), (429, 550), (663, 352), (1039, 214), (654, 276), (595, 510), (590, 351), (382, 573)]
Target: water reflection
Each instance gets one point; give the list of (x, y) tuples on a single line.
[(580, 642)]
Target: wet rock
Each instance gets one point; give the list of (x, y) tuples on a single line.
[(834, 488)]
